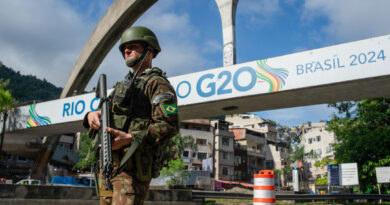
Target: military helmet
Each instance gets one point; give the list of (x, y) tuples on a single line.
[(140, 34)]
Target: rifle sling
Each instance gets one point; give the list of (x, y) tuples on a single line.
[(133, 147)]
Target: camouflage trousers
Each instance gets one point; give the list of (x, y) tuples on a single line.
[(125, 190)]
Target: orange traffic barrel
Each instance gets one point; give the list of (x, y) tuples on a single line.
[(264, 189)]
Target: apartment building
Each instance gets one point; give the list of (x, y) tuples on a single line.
[(254, 122), (276, 144), (249, 153), (315, 138), (210, 135)]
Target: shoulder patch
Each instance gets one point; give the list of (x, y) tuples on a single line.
[(170, 109), (161, 97)]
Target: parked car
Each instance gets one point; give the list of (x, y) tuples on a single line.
[(30, 182)]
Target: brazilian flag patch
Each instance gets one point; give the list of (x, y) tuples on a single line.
[(170, 109)]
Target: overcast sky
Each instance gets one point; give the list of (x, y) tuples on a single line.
[(45, 37)]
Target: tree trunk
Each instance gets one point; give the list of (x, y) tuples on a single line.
[(39, 169), (5, 116)]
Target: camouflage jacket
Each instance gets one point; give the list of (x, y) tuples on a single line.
[(148, 111)]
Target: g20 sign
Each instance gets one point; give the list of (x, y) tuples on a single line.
[(243, 79), (209, 80)]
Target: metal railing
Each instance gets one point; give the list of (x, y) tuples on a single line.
[(293, 197)]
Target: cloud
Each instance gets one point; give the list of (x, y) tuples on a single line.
[(45, 37), (183, 51), (41, 37), (350, 20), (212, 46), (258, 11)]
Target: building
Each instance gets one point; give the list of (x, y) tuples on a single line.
[(202, 133), (250, 153), (315, 138), (209, 135), (276, 145)]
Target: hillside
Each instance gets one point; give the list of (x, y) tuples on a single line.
[(26, 88)]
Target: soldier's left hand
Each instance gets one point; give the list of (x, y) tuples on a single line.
[(120, 139)]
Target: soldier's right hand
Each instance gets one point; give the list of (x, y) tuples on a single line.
[(94, 119)]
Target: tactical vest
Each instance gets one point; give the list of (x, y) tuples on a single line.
[(131, 113)]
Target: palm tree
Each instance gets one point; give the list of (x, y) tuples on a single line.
[(299, 155), (7, 104)]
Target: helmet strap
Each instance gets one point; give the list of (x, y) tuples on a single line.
[(133, 62), (143, 55)]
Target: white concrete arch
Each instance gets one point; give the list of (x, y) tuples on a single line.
[(121, 15)]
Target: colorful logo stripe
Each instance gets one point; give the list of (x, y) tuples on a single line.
[(273, 76), (35, 120)]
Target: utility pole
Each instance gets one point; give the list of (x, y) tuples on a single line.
[(227, 10), (214, 135)]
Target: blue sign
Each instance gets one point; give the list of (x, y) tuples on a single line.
[(333, 175)]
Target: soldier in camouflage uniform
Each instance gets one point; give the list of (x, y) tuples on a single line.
[(146, 112)]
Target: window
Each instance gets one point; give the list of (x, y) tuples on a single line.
[(202, 155), (318, 138), (225, 155), (259, 147), (328, 149), (193, 154), (185, 154), (222, 126), (269, 164), (225, 141), (197, 128), (237, 160), (319, 151), (277, 148), (310, 140), (201, 141), (36, 182), (225, 171), (22, 159), (259, 161)]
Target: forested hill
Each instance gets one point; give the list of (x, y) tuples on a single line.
[(26, 88)]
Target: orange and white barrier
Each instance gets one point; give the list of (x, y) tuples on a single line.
[(264, 189)]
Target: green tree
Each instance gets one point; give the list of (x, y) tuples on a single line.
[(7, 104), (176, 173), (4, 83), (363, 132), (176, 167), (323, 180), (38, 90), (86, 153)]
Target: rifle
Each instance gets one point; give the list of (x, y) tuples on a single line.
[(106, 163)]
